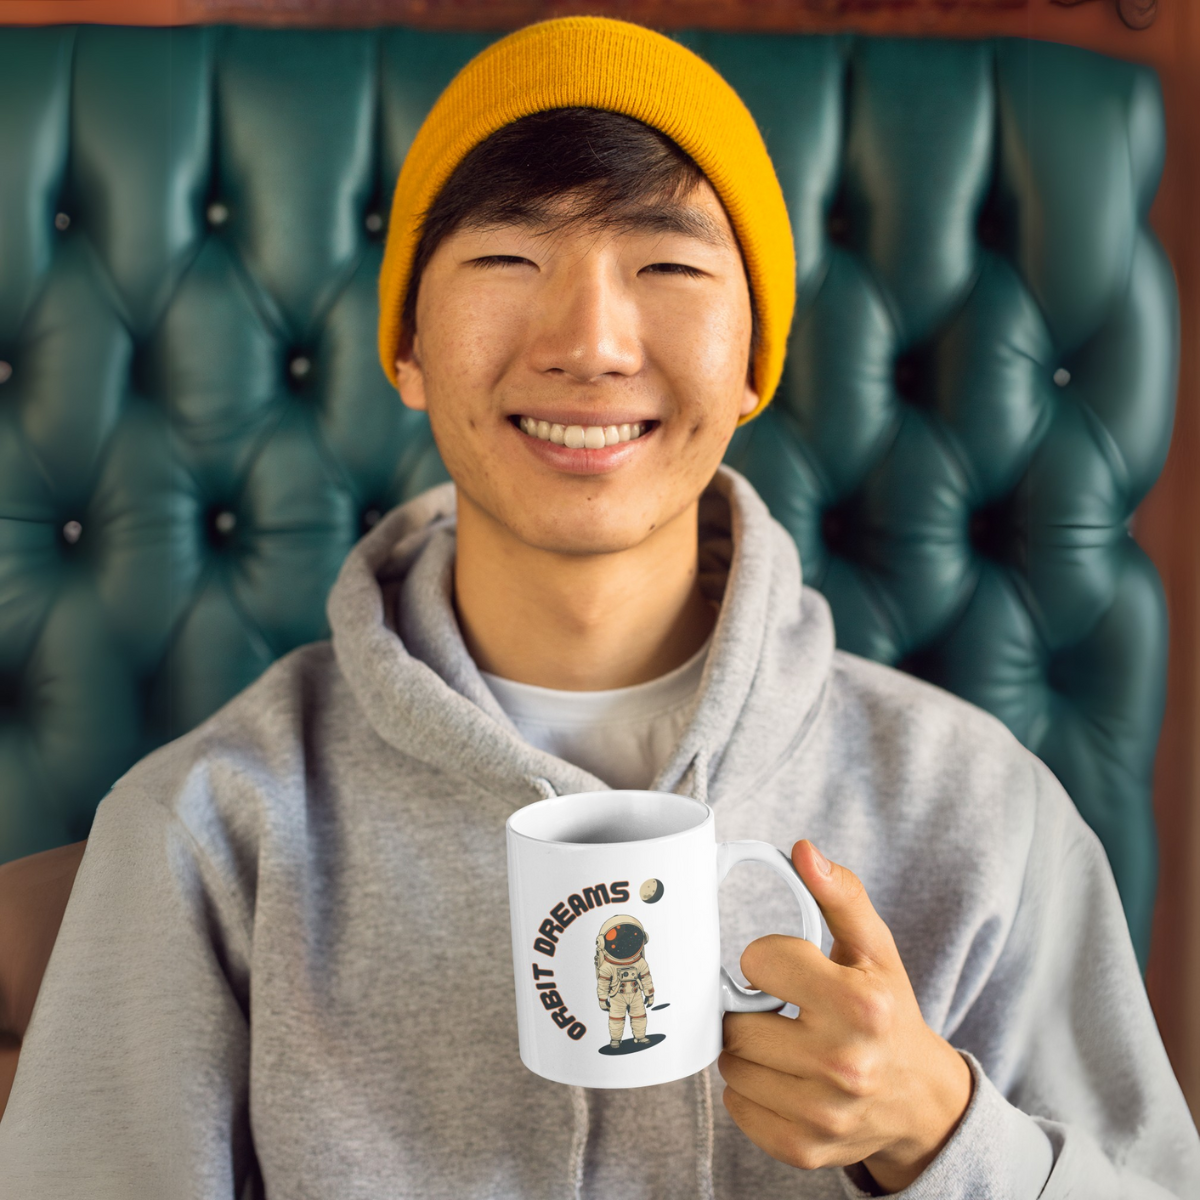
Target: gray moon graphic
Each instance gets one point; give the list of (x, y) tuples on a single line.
[(651, 891)]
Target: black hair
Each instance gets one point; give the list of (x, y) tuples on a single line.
[(615, 166)]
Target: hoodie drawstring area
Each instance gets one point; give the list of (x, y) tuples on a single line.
[(580, 1108), (704, 1134), (697, 777), (579, 1140), (703, 1083)]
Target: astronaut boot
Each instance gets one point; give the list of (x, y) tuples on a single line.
[(615, 1029), (639, 1029)]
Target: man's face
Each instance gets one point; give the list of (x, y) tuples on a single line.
[(519, 331)]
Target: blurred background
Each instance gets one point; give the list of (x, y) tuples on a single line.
[(1162, 35)]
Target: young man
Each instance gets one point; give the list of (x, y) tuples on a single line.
[(278, 967)]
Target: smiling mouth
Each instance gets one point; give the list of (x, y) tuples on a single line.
[(582, 437)]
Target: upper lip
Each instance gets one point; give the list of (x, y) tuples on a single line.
[(563, 417)]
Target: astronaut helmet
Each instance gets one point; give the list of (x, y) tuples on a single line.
[(621, 938)]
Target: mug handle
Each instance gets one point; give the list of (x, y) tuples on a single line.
[(734, 997)]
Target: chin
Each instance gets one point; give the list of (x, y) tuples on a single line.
[(579, 537), (573, 524)]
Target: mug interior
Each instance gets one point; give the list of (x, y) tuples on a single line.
[(601, 818)]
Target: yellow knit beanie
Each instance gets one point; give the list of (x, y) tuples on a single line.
[(599, 62)]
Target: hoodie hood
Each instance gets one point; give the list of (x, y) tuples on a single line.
[(398, 645)]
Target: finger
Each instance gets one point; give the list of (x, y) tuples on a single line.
[(780, 1091), (786, 1044), (859, 933), (804, 1143), (792, 969)]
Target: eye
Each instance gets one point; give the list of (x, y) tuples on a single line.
[(675, 269)]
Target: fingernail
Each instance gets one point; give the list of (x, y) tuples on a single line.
[(821, 861)]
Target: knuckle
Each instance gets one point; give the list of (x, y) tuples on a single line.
[(856, 1074), (803, 1152), (735, 1103), (831, 1125), (873, 1009)]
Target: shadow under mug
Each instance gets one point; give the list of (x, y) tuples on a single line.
[(616, 936)]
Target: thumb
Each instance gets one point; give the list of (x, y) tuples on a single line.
[(859, 935)]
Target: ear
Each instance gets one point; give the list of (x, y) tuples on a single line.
[(750, 398), (410, 375)]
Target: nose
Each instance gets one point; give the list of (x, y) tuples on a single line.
[(588, 324)]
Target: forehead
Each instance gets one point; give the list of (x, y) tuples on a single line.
[(699, 215)]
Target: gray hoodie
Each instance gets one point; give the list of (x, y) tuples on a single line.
[(286, 967)]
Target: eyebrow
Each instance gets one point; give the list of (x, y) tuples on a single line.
[(689, 222)]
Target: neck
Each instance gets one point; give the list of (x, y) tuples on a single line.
[(580, 623)]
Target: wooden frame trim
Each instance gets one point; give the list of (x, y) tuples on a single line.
[(979, 18)]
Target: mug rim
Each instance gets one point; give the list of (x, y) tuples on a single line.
[(564, 800)]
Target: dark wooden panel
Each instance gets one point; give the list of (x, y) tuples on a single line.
[(1168, 527)]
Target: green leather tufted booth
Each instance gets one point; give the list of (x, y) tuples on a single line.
[(194, 428)]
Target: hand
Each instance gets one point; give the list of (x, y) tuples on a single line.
[(858, 1076), (604, 1006)]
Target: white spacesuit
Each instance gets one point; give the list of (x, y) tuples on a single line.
[(623, 983)]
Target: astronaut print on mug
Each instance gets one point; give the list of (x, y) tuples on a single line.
[(624, 985)]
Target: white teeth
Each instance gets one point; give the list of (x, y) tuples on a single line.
[(579, 437)]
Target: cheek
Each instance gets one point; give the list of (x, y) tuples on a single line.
[(473, 343), (709, 347)]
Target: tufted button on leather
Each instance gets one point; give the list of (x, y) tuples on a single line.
[(988, 229), (225, 522), (61, 221), (838, 227), (5, 371), (72, 531), (373, 222), (835, 529), (907, 377), (979, 529), (993, 533), (10, 696), (1062, 377), (370, 518), (217, 213), (300, 366)]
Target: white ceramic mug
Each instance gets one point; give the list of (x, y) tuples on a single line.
[(616, 936)]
